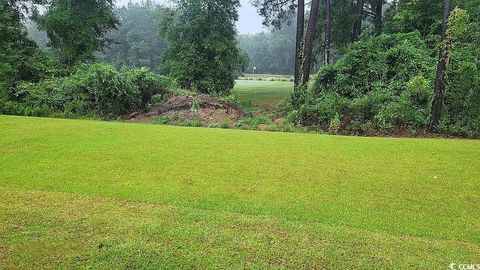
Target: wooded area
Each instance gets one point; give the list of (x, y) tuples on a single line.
[(379, 66)]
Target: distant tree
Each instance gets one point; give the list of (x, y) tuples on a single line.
[(328, 32), (77, 29), (420, 15), (333, 31), (377, 7), (136, 42), (277, 13), (441, 78), (35, 34), (359, 13), (272, 52), (202, 54), (309, 40), (298, 41), (20, 59)]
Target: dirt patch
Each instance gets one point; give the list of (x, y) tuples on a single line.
[(184, 109)]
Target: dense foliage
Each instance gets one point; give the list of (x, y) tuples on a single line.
[(76, 29), (384, 83), (462, 99), (202, 53), (136, 42), (272, 53), (388, 59), (20, 60), (93, 90), (380, 84)]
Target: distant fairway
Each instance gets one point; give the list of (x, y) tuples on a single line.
[(108, 195), (265, 94)]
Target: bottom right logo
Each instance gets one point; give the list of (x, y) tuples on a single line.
[(464, 266)]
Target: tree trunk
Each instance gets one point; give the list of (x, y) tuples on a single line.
[(299, 38), (328, 32), (312, 23), (378, 16), (357, 25), (441, 78)]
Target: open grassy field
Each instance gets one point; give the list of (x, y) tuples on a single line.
[(108, 195), (265, 94), (267, 76)]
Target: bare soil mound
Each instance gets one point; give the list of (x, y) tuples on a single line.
[(179, 108)]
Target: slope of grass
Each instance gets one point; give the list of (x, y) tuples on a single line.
[(265, 94), (77, 193)]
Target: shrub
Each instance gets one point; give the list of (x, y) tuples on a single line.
[(318, 112), (195, 106), (161, 119), (381, 61), (252, 122), (156, 99), (18, 108), (379, 84), (225, 124), (335, 124), (147, 83), (95, 89), (461, 111), (410, 111)]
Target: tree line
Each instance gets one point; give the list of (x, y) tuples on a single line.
[(405, 66), (328, 31)]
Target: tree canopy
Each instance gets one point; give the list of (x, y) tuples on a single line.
[(136, 42), (202, 52), (76, 29)]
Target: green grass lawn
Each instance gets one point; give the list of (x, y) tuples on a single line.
[(267, 76), (264, 94), (91, 194)]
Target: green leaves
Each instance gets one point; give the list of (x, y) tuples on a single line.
[(458, 23), (202, 53), (97, 89), (378, 85), (77, 28)]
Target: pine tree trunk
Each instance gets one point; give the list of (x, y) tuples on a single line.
[(299, 38), (357, 25), (378, 16), (328, 32), (441, 78), (312, 22)]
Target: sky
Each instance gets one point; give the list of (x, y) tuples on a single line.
[(249, 20)]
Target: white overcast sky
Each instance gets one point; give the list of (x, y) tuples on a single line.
[(249, 21)]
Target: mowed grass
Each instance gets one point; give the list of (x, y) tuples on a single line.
[(263, 94), (91, 194)]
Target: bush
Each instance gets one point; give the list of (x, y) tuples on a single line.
[(18, 108), (461, 111), (379, 84), (98, 87), (252, 122), (147, 83), (94, 89)]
